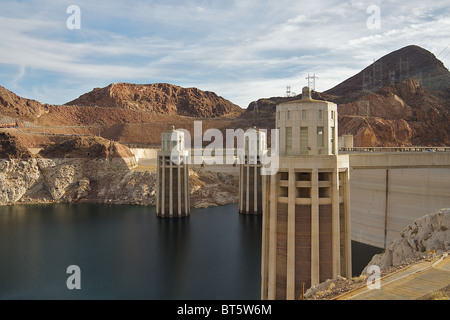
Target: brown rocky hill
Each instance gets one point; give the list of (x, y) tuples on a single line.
[(410, 62), (160, 98), (403, 114), (13, 106), (47, 124)]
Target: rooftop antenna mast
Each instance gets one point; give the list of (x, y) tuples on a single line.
[(256, 111), (364, 108), (312, 81), (443, 51), (404, 69), (392, 76)]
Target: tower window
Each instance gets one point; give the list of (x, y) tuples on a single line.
[(320, 114), (319, 137), (303, 192), (325, 176), (333, 150), (288, 140), (304, 140), (303, 176)]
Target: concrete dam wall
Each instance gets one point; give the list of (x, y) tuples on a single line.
[(388, 191)]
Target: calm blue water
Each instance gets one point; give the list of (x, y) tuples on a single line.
[(126, 252)]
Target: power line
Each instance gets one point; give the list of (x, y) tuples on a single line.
[(443, 51), (312, 81)]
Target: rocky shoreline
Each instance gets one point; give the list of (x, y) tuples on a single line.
[(95, 170), (46, 181)]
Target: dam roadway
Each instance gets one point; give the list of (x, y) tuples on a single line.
[(410, 283)]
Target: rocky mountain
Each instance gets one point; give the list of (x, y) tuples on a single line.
[(402, 99), (404, 114), (410, 62), (14, 106), (160, 98), (120, 112)]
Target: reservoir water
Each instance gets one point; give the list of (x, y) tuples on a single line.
[(126, 252)]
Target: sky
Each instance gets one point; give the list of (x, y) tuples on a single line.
[(54, 51)]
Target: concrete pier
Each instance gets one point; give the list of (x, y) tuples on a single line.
[(250, 178), (173, 199), (306, 213)]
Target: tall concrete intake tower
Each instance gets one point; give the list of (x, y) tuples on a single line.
[(306, 210), (250, 179), (172, 196)]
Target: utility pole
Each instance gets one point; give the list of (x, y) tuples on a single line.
[(312, 81)]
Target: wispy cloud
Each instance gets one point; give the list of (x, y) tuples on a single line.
[(243, 50)]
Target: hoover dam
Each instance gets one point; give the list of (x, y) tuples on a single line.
[(389, 188)]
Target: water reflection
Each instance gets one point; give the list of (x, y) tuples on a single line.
[(126, 252)]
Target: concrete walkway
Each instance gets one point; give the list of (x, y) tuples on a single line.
[(410, 283)]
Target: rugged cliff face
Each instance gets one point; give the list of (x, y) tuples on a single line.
[(401, 114), (211, 188), (12, 105), (121, 112), (160, 98)]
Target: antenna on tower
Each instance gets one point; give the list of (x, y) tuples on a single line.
[(256, 111), (404, 69), (443, 51), (312, 81), (364, 108), (368, 82), (377, 74), (392, 76), (288, 91)]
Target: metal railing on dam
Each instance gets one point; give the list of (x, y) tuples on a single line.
[(396, 149)]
